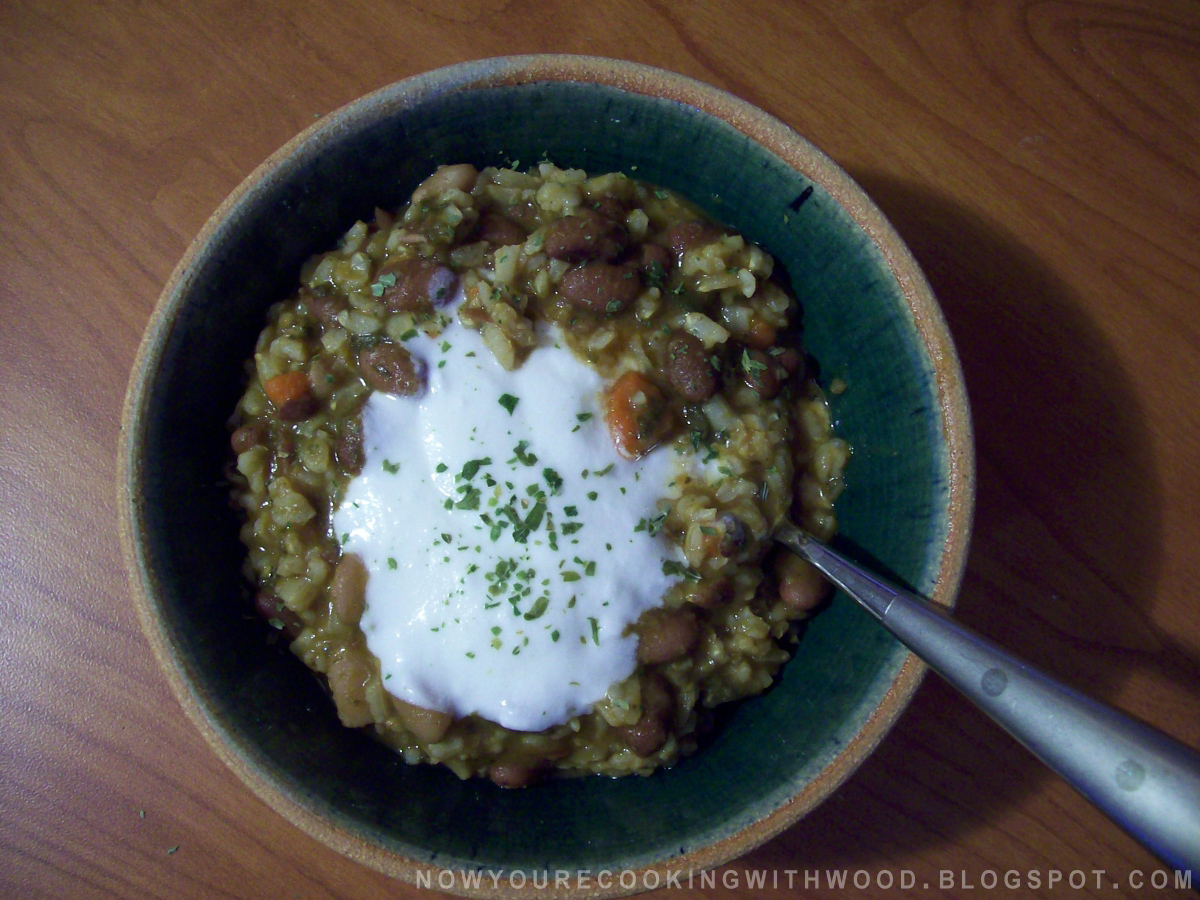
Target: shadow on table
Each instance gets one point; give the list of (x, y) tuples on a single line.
[(1065, 551)]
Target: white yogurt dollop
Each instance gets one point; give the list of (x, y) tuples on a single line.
[(508, 545)]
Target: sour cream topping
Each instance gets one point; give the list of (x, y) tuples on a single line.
[(508, 545)]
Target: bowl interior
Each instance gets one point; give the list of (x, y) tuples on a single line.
[(277, 724)]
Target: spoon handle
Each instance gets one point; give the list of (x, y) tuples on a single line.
[(1145, 781)]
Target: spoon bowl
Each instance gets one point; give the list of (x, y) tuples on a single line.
[(1145, 781)]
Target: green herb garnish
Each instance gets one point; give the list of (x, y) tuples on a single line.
[(671, 567), (538, 608), (380, 287)]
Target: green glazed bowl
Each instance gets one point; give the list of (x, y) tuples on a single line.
[(870, 321)]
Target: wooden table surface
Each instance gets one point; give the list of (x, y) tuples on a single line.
[(1040, 158)]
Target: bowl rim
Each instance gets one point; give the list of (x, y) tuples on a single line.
[(758, 125)]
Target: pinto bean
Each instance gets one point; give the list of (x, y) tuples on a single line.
[(733, 536), (526, 213), (461, 177), (638, 415), (272, 608), (654, 262), (499, 231), (248, 436), (298, 409), (324, 309), (347, 679), (514, 775), (688, 369), (348, 589), (686, 236), (647, 735), (760, 335), (664, 635), (709, 593), (429, 725), (600, 287), (766, 371), (416, 284), (587, 235), (801, 585), (349, 449), (383, 220), (390, 368), (791, 359), (609, 206), (762, 372)]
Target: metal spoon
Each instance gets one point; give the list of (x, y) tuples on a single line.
[(1146, 782)]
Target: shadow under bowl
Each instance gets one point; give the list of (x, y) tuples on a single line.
[(869, 318)]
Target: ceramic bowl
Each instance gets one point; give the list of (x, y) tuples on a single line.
[(870, 320)]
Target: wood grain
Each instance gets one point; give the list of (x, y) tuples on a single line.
[(1040, 158)]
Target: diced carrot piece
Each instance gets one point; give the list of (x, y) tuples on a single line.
[(285, 388)]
